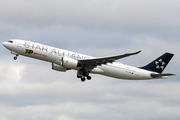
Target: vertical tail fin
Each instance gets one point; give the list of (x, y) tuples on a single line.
[(159, 64)]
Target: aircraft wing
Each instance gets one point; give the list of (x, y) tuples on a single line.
[(92, 63)]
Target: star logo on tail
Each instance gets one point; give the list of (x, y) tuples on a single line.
[(160, 64)]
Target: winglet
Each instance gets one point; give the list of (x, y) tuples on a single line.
[(138, 52), (128, 54)]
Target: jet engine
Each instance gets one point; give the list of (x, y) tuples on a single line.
[(58, 67), (69, 63)]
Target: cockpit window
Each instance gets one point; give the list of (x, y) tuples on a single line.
[(10, 41)]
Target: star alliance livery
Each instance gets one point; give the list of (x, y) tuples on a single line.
[(63, 60)]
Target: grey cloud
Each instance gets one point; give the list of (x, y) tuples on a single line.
[(92, 23), (90, 100), (124, 16)]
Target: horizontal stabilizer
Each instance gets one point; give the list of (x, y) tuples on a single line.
[(161, 75)]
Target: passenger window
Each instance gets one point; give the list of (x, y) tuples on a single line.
[(10, 41)]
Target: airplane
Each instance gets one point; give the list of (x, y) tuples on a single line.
[(63, 60)]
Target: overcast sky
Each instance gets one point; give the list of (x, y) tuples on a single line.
[(31, 90)]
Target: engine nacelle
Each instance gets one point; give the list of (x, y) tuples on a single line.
[(58, 67), (69, 63)]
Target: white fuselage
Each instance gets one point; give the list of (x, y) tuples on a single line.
[(52, 55)]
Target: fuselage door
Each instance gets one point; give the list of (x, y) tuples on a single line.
[(137, 73), (19, 44)]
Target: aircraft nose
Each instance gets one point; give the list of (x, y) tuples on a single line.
[(4, 44)]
